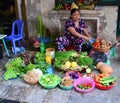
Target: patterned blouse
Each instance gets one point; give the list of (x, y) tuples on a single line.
[(70, 23)]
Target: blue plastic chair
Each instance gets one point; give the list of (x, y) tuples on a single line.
[(16, 34)]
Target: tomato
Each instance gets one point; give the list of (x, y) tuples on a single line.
[(96, 44)]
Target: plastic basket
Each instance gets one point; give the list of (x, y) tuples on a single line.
[(65, 87), (100, 86), (84, 81), (49, 86)]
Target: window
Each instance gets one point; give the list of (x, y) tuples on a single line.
[(109, 2)]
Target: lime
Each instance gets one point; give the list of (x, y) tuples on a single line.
[(88, 70)]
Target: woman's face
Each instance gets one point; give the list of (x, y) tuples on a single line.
[(75, 16)]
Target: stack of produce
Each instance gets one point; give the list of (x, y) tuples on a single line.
[(71, 60), (66, 81), (28, 57), (84, 86), (32, 76), (73, 74), (103, 82), (39, 60), (14, 68), (101, 45), (49, 81)]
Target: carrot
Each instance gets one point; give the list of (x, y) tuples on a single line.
[(97, 80)]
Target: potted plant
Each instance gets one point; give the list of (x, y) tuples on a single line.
[(41, 30)]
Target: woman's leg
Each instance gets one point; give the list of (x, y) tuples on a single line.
[(78, 44), (61, 43)]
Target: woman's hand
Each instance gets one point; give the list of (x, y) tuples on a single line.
[(87, 38)]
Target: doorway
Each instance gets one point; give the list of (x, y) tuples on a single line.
[(8, 13), (11, 10)]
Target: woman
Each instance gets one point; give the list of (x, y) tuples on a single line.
[(75, 32)]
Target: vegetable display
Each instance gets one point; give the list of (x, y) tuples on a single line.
[(30, 67), (10, 74), (32, 76), (101, 45), (84, 86), (17, 65), (66, 81), (105, 81), (16, 62), (39, 57), (49, 79), (71, 60), (43, 67), (73, 74), (84, 59), (27, 56)]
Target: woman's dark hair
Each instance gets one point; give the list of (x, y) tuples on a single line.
[(74, 10)]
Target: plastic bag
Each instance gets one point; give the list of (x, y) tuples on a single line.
[(99, 57)]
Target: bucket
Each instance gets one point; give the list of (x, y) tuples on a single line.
[(51, 51)]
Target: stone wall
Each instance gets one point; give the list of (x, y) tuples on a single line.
[(109, 31), (54, 20)]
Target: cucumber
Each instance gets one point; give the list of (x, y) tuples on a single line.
[(107, 78), (108, 81)]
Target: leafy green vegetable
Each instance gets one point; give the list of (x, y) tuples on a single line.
[(39, 57), (17, 65), (17, 62), (83, 53), (59, 61), (30, 67), (84, 60), (49, 79), (10, 74), (66, 54), (43, 67)]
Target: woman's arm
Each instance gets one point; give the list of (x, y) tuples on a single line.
[(86, 33), (72, 30)]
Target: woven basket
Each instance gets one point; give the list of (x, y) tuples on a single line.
[(31, 82), (102, 49)]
